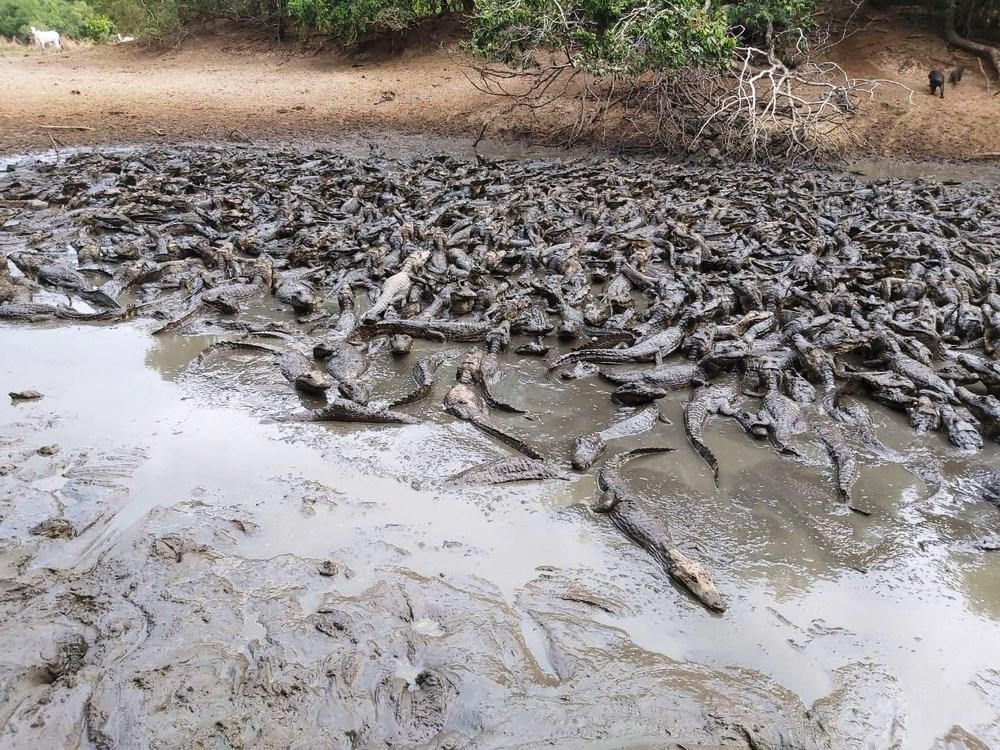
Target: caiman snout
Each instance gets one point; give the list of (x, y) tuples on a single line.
[(691, 575), (314, 382)]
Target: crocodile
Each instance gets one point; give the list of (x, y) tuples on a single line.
[(228, 298), (924, 414), (845, 461), (667, 377), (484, 371), (36, 312), (435, 330), (423, 375), (651, 532), (917, 372), (650, 349), (345, 410), (464, 403), (346, 321), (961, 428), (346, 365), (296, 368), (716, 399), (510, 469), (637, 393), (397, 286), (586, 448), (61, 277), (578, 371), (781, 416), (985, 408), (294, 289)]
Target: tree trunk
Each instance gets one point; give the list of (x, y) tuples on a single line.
[(992, 54)]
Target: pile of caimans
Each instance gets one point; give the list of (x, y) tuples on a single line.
[(777, 299)]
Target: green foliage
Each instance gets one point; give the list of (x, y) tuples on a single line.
[(626, 37), (74, 19), (757, 18), (349, 20)]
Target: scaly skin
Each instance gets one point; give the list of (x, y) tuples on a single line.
[(650, 531), (423, 375), (344, 410), (397, 286), (659, 344), (465, 404), (296, 369), (435, 330), (845, 462), (512, 469), (587, 448), (717, 399)]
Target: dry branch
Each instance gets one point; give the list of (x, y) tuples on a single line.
[(759, 109), (64, 127), (984, 51)]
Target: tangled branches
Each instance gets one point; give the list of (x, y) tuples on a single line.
[(759, 109)]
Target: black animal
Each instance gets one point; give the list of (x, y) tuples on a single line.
[(936, 78), (956, 75)]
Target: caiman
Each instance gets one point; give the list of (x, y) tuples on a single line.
[(484, 371), (985, 408), (463, 402), (586, 448), (637, 393), (716, 399), (423, 376), (961, 428), (294, 289), (651, 532), (650, 349), (296, 368), (510, 469), (435, 330), (845, 461), (397, 286), (36, 312), (345, 410), (346, 365), (228, 298), (668, 377)]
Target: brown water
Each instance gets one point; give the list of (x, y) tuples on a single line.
[(888, 624)]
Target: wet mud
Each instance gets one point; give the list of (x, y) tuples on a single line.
[(181, 568)]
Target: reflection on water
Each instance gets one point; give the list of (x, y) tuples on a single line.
[(813, 588)]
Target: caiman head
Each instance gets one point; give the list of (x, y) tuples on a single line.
[(314, 382), (354, 391), (586, 448)]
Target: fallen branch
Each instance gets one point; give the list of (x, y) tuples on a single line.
[(54, 146), (982, 50), (64, 127), (984, 156), (242, 136)]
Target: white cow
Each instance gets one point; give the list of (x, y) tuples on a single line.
[(45, 38)]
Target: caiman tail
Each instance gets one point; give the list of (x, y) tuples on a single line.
[(514, 442), (600, 356), (491, 399), (705, 452)]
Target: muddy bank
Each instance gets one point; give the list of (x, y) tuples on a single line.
[(233, 582), (231, 86)]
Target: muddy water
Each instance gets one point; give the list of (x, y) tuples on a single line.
[(883, 627)]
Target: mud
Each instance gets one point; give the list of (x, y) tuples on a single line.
[(180, 569), (233, 583)]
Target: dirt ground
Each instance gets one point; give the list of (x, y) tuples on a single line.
[(222, 85)]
